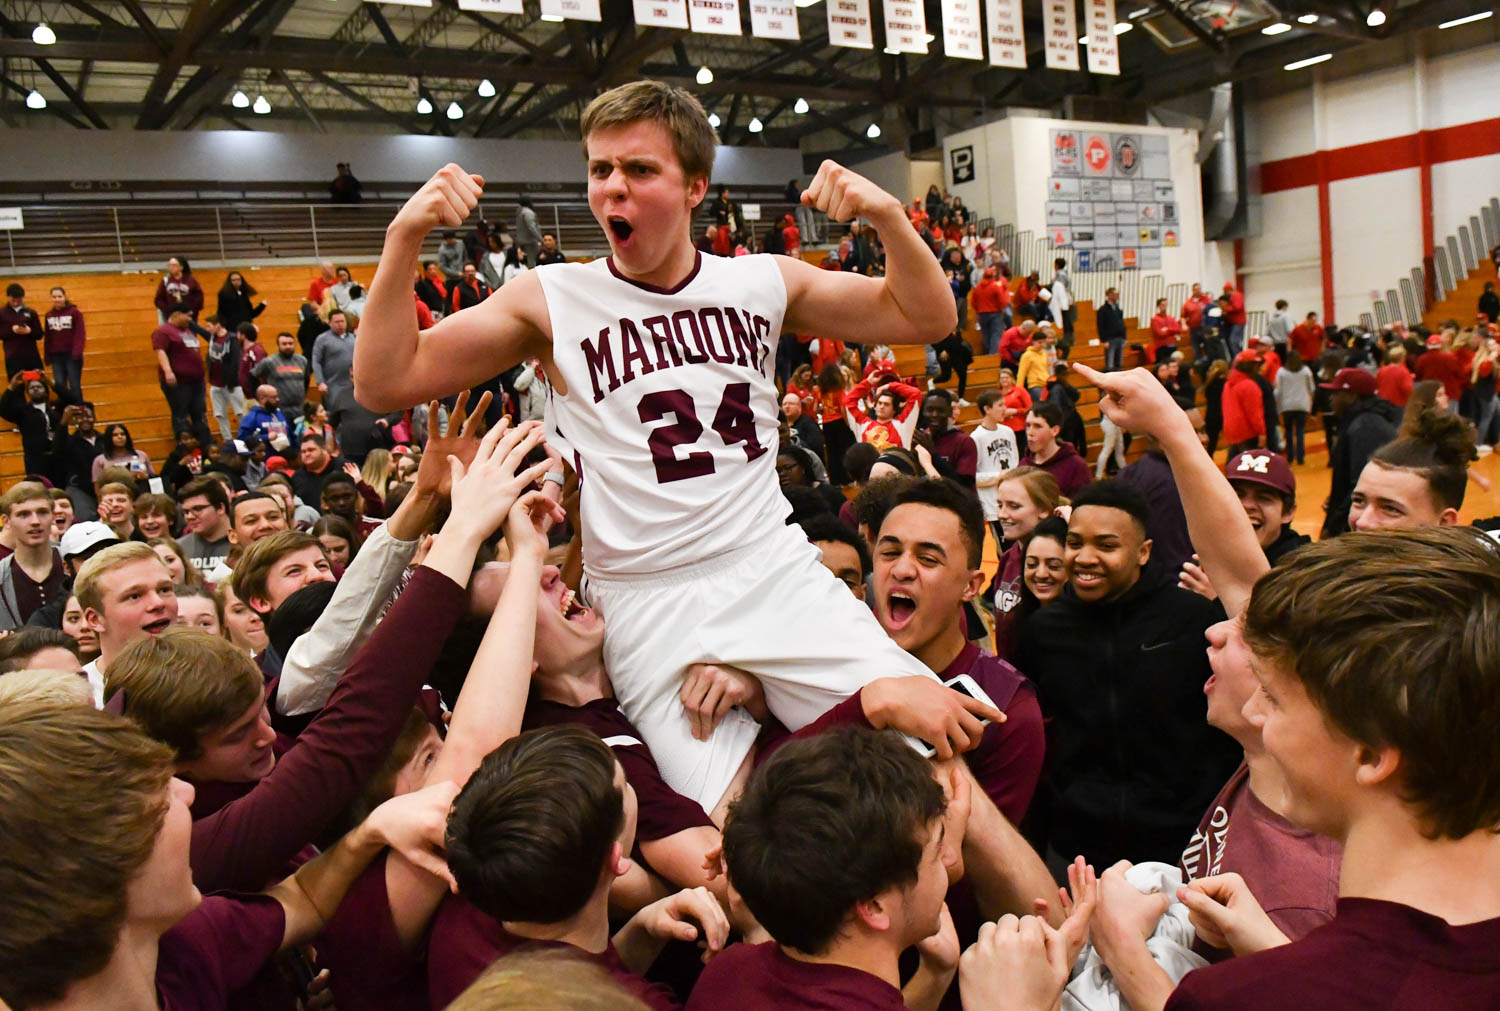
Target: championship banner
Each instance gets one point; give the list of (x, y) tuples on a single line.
[(492, 6), (1060, 29), (849, 24), (713, 17), (1104, 47), (906, 26), (963, 38), (573, 10), (1007, 34), (656, 13), (774, 19)]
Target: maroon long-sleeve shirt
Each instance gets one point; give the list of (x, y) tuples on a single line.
[(246, 842)]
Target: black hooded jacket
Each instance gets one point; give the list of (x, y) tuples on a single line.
[(1370, 424), (1131, 760)]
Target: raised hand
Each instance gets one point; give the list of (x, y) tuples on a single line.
[(928, 710), (444, 201), (414, 824), (1136, 400), (527, 522), (484, 492), (460, 439), (844, 195)]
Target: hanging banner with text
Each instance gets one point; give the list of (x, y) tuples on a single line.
[(573, 10), (905, 26), (659, 13), (492, 6), (963, 38), (714, 17), (1007, 36), (1060, 29), (849, 24), (770, 19), (1099, 26)]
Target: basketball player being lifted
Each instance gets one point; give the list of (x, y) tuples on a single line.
[(660, 364)]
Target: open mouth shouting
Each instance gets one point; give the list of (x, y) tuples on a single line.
[(899, 608), (157, 627), (571, 609), (620, 230)]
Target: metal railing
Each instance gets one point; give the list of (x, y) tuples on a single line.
[(1453, 259)]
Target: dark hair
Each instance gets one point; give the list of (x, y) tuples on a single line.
[(1392, 635), (1048, 412), (830, 528), (338, 477), (109, 440), (532, 828), (297, 614), (805, 502), (14, 291), (18, 648), (551, 233), (877, 498), (1052, 528), (941, 493), (988, 399), (248, 329), (826, 823), (858, 459), (338, 527), (1114, 494), (940, 393), (1293, 361), (1281, 303), (315, 439), (338, 312), (228, 289), (1059, 263), (1438, 448), (250, 496), (209, 488), (187, 271)]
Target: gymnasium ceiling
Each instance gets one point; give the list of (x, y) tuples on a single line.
[(346, 65)]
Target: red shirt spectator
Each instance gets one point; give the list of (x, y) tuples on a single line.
[(1192, 310), (989, 295), (1270, 363), (1236, 312), (1244, 410), (1018, 400), (1393, 383), (1444, 366), (792, 236), (1013, 342), (1165, 330), (1307, 339)]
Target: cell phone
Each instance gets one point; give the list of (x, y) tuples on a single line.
[(964, 685), (31, 376)]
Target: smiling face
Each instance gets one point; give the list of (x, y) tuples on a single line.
[(569, 636), (936, 412), (115, 508), (922, 575), (1045, 569), (640, 195), (1105, 552), (138, 599), (1018, 514), (255, 519), (1266, 509), (154, 524)]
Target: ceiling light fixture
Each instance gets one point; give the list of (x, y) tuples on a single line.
[(801, 107), (240, 100), (486, 89), (455, 111), (705, 76), (806, 3), (714, 120), (1468, 20), (892, 52), (35, 100), (1279, 28), (1083, 40), (261, 106), (874, 131), (553, 18), (42, 35), (756, 126), (1375, 18), (1299, 64), (1121, 27), (424, 107), (1139, 12), (1307, 19)]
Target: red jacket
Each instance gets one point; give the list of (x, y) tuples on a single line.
[(1270, 364), (1445, 367), (1307, 341), (1393, 383), (987, 296), (1244, 410), (1236, 307), (1164, 330), (1012, 343), (1192, 311)]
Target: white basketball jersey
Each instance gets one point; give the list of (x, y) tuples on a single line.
[(670, 414)]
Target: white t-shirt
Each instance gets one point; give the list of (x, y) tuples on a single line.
[(96, 682), (670, 411), (998, 453)]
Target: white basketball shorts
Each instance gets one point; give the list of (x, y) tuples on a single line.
[(770, 608)]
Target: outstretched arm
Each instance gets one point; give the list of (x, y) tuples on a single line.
[(1220, 530), (397, 365), (912, 304)]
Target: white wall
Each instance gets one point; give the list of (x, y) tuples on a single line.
[(904, 178), (255, 156)]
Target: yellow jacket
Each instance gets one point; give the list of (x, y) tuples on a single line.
[(1032, 371)]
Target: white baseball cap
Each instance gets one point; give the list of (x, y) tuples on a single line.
[(82, 537)]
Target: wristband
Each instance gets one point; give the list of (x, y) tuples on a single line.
[(555, 477)]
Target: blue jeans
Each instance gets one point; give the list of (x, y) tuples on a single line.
[(1236, 339), (990, 329), (67, 374), (1114, 354), (1295, 423)]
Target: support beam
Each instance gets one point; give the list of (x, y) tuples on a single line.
[(94, 12), (85, 70), (541, 112), (358, 98), (52, 107), (71, 93), (147, 26), (499, 112), (153, 105), (296, 94)]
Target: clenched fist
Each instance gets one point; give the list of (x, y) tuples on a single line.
[(844, 195), (444, 200)]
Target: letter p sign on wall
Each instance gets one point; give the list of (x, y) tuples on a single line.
[(961, 162)]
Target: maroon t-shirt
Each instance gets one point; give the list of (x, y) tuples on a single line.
[(216, 949), (760, 977), (662, 812), (183, 352), (1374, 956), (465, 942), (1292, 872), (367, 966), (1008, 596), (955, 446)]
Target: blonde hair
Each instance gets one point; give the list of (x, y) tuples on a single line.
[(1041, 487), (86, 588), (377, 470), (1395, 354), (84, 796), (23, 491), (53, 687), (673, 109), (183, 684), (536, 978)]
